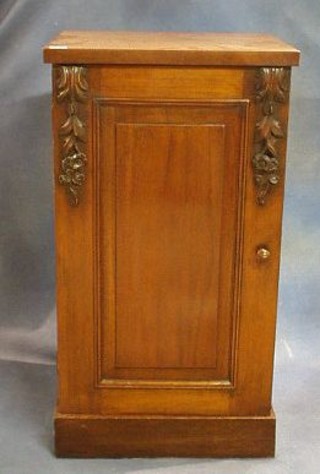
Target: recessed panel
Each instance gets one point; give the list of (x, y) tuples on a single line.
[(168, 218), (168, 214)]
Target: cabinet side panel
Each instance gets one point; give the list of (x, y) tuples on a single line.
[(74, 242), (262, 229)]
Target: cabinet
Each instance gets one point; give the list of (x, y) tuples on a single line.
[(169, 155)]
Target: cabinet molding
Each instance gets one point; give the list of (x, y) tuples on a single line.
[(271, 90), (72, 91)]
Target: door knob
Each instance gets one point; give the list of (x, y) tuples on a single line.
[(263, 253)]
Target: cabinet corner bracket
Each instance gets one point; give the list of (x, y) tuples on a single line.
[(71, 90), (272, 90)]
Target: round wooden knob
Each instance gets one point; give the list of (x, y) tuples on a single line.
[(263, 253)]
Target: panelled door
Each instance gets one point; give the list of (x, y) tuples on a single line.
[(168, 239)]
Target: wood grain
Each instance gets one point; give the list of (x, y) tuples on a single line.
[(130, 47), (169, 201), (158, 82), (160, 436), (173, 278)]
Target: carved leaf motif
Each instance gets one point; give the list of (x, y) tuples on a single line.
[(81, 85), (264, 126), (71, 89), (270, 147), (276, 129), (63, 83), (273, 83), (73, 126), (71, 83), (269, 126), (272, 87)]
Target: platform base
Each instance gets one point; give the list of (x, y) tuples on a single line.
[(159, 436)]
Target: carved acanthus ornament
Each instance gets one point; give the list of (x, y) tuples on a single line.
[(271, 90), (71, 89)]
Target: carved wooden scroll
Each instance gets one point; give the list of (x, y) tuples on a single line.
[(71, 89), (271, 90)]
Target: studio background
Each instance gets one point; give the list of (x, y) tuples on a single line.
[(27, 289)]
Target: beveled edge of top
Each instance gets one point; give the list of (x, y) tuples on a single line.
[(169, 48)]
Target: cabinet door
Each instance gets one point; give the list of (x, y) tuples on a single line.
[(167, 239), (156, 312)]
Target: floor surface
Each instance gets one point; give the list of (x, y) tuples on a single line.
[(26, 437)]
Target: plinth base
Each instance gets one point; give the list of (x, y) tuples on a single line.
[(159, 436)]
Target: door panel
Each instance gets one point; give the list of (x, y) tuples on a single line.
[(168, 209), (168, 233)]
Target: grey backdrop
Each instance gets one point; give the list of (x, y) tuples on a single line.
[(27, 306)]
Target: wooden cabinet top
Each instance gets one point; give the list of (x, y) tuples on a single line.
[(168, 48)]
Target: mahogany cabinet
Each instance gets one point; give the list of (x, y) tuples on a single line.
[(169, 154)]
